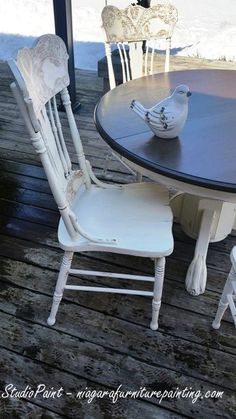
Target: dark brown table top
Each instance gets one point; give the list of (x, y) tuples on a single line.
[(205, 152)]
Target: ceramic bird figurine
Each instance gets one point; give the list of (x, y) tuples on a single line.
[(167, 118)]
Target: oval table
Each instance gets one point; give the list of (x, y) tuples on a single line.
[(201, 162)]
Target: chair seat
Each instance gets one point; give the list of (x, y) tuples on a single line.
[(138, 216)]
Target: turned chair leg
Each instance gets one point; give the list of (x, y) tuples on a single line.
[(139, 177), (61, 281), (157, 292), (224, 301)]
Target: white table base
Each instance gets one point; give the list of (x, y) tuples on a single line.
[(206, 215), (206, 220)]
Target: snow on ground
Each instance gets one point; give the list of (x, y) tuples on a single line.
[(206, 28)]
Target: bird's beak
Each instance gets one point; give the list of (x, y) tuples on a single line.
[(189, 94)]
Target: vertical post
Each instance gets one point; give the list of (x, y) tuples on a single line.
[(63, 28), (144, 3)]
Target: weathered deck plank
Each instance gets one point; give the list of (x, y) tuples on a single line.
[(99, 340), (132, 339)]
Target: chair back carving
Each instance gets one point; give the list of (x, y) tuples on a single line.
[(40, 73), (44, 68), (128, 28)]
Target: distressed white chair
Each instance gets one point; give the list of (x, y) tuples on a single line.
[(132, 219), (228, 297), (128, 28)]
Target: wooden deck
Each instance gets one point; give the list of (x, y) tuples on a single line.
[(99, 341)]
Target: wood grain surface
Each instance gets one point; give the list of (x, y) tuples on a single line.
[(99, 341), (205, 152)]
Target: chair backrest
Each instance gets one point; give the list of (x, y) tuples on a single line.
[(40, 73), (128, 28)]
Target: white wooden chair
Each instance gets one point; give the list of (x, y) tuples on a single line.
[(228, 297), (128, 28), (132, 219)]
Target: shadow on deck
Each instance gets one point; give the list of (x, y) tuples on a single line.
[(99, 341)]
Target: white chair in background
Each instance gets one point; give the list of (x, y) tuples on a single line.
[(132, 219), (228, 297), (128, 29), (136, 33)]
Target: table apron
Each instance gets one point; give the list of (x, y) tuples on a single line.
[(182, 186)]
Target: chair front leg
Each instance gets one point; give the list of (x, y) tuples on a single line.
[(157, 292), (61, 281), (224, 302)]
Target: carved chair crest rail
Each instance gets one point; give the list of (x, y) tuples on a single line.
[(136, 31)]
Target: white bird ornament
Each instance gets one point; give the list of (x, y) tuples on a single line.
[(167, 118)]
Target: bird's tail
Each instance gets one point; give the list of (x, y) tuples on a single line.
[(138, 109)]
